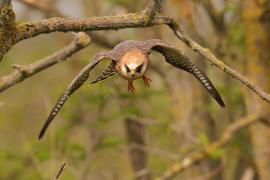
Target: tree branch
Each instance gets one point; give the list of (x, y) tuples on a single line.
[(132, 20), (206, 53), (207, 150), (60, 170), (23, 72), (32, 29)]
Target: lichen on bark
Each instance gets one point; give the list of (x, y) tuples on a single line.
[(7, 27)]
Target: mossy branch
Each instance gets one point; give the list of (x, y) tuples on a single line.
[(7, 27)]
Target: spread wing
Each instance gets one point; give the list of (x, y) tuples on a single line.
[(178, 59), (74, 85), (108, 72)]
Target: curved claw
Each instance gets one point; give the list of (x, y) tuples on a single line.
[(146, 80), (131, 87)]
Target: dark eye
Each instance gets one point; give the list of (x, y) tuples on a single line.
[(139, 68), (128, 70)]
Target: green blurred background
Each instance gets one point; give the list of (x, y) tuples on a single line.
[(178, 115)]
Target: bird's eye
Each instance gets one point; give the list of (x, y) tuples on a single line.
[(139, 68), (128, 70)]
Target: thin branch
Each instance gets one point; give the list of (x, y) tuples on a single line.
[(60, 170), (23, 72), (198, 156), (212, 58)]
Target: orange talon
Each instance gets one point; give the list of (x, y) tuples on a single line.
[(146, 81), (131, 87)]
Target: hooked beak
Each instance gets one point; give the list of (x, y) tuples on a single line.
[(133, 73)]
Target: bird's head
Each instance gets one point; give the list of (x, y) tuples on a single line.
[(133, 64)]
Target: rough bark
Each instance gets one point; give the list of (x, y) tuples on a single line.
[(7, 27)]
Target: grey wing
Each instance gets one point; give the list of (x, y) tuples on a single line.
[(108, 72), (180, 60), (74, 85)]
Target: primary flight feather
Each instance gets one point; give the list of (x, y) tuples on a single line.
[(130, 60)]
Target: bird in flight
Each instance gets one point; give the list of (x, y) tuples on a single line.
[(130, 60)]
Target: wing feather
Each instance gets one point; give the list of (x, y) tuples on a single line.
[(108, 72), (178, 59), (77, 82)]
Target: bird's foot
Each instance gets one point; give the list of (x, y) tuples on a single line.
[(146, 81), (131, 87)]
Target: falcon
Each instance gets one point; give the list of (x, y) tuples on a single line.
[(130, 60)]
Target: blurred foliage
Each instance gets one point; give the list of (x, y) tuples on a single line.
[(89, 132)]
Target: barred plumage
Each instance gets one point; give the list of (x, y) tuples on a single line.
[(135, 53), (180, 60), (108, 72)]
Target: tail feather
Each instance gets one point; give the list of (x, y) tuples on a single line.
[(207, 84)]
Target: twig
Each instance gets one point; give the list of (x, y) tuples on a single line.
[(26, 71), (60, 170), (212, 58), (198, 156)]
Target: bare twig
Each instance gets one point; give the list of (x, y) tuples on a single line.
[(212, 58), (60, 170), (198, 156), (23, 72)]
